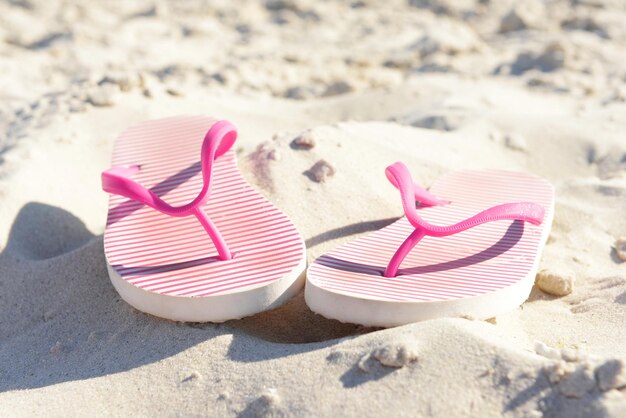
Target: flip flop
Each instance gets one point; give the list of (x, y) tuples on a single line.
[(190, 240), (482, 264)]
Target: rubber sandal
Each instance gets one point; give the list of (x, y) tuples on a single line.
[(190, 240), (482, 264)]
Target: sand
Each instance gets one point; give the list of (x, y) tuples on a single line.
[(325, 96)]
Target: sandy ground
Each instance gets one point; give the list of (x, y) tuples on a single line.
[(441, 85)]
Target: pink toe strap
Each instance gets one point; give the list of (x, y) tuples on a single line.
[(219, 139), (421, 195), (398, 174)]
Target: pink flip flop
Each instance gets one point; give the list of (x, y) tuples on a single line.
[(481, 264), (188, 239)]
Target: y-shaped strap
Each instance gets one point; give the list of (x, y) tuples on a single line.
[(400, 177), (421, 195), (219, 139)]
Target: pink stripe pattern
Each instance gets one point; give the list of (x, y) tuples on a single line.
[(474, 262), (175, 256)]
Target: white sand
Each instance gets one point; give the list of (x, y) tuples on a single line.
[(457, 84)]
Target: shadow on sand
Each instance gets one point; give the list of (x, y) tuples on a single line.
[(61, 319)]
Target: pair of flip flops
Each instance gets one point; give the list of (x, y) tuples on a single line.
[(189, 240)]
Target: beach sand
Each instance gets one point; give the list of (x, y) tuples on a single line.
[(440, 85)]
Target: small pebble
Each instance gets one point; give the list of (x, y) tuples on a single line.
[(396, 354), (512, 22), (48, 315), (300, 93), (191, 377), (337, 88), (320, 171), (304, 141), (555, 283), (173, 91), (440, 122), (56, 348), (125, 81), (268, 404), (570, 355), (547, 351), (104, 95), (524, 15), (620, 248), (611, 375), (516, 142)]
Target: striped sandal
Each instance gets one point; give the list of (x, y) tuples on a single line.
[(159, 256), (481, 265)]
